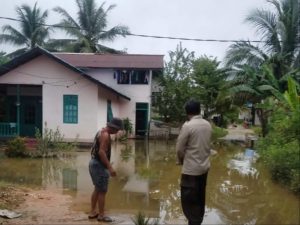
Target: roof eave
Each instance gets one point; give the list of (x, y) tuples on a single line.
[(37, 51)]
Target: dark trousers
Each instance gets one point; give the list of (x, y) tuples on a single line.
[(193, 197)]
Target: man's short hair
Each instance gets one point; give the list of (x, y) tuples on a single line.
[(192, 107)]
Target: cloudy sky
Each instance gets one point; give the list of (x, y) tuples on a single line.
[(201, 19)]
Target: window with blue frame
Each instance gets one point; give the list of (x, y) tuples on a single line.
[(70, 108)]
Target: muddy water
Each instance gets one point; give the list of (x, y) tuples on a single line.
[(239, 190)]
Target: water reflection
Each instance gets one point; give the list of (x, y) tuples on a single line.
[(36, 172), (244, 194), (239, 191), (69, 179)]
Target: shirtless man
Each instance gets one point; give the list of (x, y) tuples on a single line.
[(101, 169)]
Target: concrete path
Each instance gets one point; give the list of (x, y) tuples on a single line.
[(239, 133)]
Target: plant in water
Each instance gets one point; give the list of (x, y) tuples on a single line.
[(141, 219), (51, 142), (126, 153), (217, 132), (127, 127), (148, 173)]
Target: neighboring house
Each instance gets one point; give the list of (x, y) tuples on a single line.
[(75, 92)]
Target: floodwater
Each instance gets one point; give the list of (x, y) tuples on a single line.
[(239, 190)]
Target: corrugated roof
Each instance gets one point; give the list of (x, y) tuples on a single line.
[(112, 60)]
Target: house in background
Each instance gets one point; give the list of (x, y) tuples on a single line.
[(75, 92)]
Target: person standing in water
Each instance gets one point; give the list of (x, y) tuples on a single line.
[(193, 151), (101, 169)]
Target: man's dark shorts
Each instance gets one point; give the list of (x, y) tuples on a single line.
[(99, 175)]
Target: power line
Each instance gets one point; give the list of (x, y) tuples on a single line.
[(145, 35)]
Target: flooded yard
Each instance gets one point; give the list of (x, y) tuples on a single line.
[(239, 191)]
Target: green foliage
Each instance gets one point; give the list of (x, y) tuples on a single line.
[(89, 28), (141, 219), (261, 71), (209, 86), (264, 110), (257, 130), (186, 77), (51, 143), (126, 153), (282, 159), (230, 116), (128, 129), (279, 29), (291, 96), (176, 85), (147, 173), (217, 132), (127, 126), (16, 148), (3, 58), (280, 148), (31, 32)]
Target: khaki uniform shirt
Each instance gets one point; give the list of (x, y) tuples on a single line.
[(193, 146)]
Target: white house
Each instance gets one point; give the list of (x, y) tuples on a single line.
[(75, 92)]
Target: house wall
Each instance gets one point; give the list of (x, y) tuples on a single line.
[(56, 81), (136, 92), (103, 96), (246, 114)]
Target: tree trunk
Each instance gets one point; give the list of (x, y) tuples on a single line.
[(253, 115), (263, 118)]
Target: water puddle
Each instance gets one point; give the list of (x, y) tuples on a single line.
[(239, 189)]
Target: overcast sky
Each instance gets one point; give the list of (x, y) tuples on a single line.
[(202, 19)]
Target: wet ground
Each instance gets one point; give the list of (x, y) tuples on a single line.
[(239, 189)]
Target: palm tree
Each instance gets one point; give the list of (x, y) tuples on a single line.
[(32, 30), (3, 58), (89, 28), (255, 86), (261, 71), (280, 32)]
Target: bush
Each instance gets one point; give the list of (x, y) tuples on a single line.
[(280, 149), (127, 126), (51, 143), (16, 148), (257, 130), (217, 132), (128, 129), (284, 163)]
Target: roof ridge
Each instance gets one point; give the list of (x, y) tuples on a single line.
[(95, 54)]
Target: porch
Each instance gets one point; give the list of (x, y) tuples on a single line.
[(8, 130), (20, 110)]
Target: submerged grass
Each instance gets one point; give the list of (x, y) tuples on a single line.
[(141, 219)]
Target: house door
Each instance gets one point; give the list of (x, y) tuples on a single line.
[(30, 115), (141, 118)]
